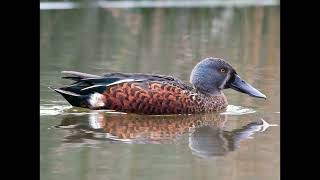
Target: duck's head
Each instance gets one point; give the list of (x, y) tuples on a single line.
[(212, 75)]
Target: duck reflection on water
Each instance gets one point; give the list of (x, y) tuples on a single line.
[(207, 135)]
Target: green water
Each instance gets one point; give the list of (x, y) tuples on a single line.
[(77, 144)]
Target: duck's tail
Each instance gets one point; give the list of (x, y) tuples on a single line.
[(73, 98)]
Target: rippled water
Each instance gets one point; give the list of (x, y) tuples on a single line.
[(241, 143)]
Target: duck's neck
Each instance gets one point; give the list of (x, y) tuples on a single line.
[(212, 92)]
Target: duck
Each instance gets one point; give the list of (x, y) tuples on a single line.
[(154, 94)]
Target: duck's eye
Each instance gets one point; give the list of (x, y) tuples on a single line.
[(222, 70)]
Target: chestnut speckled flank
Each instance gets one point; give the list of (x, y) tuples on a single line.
[(158, 98), (157, 94)]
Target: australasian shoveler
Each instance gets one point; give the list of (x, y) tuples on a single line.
[(157, 94)]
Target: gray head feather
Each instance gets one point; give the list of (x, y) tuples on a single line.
[(207, 77)]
